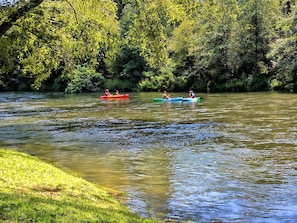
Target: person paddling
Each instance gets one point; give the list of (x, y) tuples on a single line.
[(165, 95), (192, 94), (107, 93)]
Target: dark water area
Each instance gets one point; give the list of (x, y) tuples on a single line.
[(229, 158)]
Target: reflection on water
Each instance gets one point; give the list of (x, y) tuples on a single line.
[(229, 158)]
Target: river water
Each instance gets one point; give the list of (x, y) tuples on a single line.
[(229, 158)]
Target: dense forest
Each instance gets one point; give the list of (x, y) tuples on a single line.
[(148, 45)]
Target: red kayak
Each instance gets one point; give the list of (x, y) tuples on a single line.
[(115, 96)]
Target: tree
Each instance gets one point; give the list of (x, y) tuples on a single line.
[(256, 30), (57, 37), (204, 43), (213, 45), (148, 27), (15, 12), (284, 53)]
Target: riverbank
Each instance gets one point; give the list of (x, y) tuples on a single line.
[(34, 191)]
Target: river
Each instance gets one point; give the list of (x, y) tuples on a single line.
[(229, 158)]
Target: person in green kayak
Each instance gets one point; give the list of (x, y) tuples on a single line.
[(192, 94), (165, 95)]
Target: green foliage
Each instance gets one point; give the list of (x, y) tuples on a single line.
[(149, 25), (89, 31), (84, 79), (67, 33), (215, 51), (164, 80), (127, 67), (256, 29), (5, 61), (151, 45), (183, 42), (119, 84), (283, 55), (147, 34), (151, 82), (32, 55), (234, 85)]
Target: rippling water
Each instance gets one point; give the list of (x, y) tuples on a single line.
[(229, 158)]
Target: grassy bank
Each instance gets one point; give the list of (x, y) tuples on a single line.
[(34, 191)]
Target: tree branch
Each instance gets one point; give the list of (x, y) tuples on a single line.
[(12, 18)]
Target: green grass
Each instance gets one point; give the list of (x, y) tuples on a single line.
[(34, 191)]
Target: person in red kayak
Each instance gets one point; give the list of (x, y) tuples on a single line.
[(192, 94), (107, 93)]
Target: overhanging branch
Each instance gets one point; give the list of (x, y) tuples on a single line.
[(12, 18)]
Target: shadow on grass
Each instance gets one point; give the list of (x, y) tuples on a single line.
[(24, 207)]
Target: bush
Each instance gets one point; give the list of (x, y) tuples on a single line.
[(84, 79)]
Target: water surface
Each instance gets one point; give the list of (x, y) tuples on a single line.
[(229, 158)]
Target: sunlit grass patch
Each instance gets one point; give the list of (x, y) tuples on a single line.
[(34, 191)]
